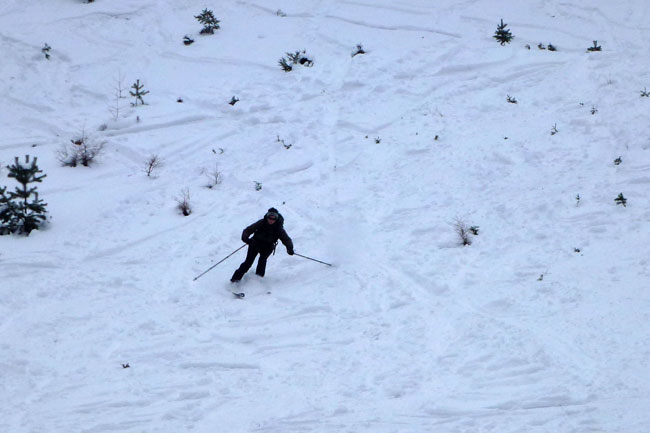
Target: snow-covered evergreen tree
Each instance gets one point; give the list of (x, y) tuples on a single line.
[(502, 34), (210, 23), (22, 211), (138, 93)]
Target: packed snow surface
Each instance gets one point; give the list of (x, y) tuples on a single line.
[(542, 324)]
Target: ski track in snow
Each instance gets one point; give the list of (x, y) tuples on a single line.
[(408, 331)]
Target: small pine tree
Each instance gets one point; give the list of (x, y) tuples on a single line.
[(210, 23), (22, 211), (503, 35), (621, 200), (284, 64), (6, 209), (138, 94)]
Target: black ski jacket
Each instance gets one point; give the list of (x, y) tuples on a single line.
[(266, 235)]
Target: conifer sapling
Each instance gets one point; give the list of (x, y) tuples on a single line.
[(621, 200), (503, 35), (210, 23), (284, 64), (22, 211), (138, 93)]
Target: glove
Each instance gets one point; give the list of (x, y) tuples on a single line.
[(290, 251), (248, 241)]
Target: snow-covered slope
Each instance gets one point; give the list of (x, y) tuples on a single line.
[(541, 325)]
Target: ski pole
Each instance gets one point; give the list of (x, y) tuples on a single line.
[(309, 258), (211, 267)]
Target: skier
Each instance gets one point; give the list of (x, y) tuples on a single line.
[(265, 234)]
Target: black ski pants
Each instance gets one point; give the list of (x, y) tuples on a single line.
[(253, 250)]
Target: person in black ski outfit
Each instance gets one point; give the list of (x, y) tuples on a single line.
[(265, 234)]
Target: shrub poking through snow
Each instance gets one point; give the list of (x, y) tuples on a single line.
[(644, 93), (474, 230), (554, 129), (154, 162), (511, 99), (187, 40), (463, 232), (210, 23), (300, 57), (595, 47), (503, 35), (21, 211), (183, 202), (296, 58), (358, 50), (214, 177), (81, 151), (138, 93), (550, 47), (621, 200), (233, 100), (46, 51), (286, 146), (618, 161), (258, 186)]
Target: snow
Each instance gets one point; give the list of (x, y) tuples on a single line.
[(408, 331)]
